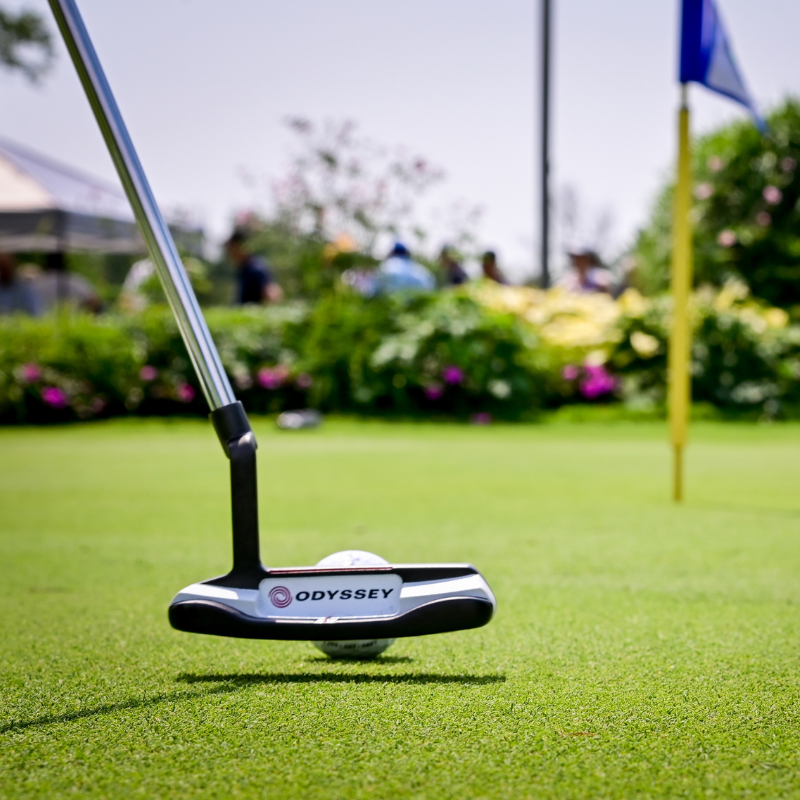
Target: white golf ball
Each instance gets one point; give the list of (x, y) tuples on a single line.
[(355, 648)]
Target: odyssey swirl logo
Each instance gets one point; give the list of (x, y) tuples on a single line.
[(280, 596)]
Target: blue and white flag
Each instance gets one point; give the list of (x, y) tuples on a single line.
[(707, 55)]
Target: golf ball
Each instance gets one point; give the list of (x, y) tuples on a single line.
[(356, 648)]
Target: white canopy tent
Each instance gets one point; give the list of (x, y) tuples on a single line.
[(48, 207)]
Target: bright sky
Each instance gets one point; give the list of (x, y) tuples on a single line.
[(204, 87)]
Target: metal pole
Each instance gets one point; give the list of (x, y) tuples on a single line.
[(157, 237), (545, 136)]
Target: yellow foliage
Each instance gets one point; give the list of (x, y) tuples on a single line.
[(561, 318), (590, 322)]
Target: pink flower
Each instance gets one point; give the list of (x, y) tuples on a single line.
[(570, 372), (185, 392), (727, 238), (272, 378), (54, 397), (148, 373), (763, 218), (773, 195), (433, 391), (481, 418), (31, 372), (453, 375), (597, 382), (715, 163), (703, 191), (304, 381)]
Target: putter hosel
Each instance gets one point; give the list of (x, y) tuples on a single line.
[(239, 443)]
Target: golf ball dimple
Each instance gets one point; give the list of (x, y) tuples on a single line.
[(356, 648)]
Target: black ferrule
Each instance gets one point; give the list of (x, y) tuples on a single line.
[(231, 423)]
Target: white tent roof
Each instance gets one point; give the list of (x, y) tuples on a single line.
[(32, 182), (46, 206)]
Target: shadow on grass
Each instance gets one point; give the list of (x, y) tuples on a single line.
[(243, 679), (234, 682), (110, 708)]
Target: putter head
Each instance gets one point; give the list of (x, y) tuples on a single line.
[(336, 603)]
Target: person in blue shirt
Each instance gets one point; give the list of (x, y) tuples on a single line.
[(400, 272), (256, 283)]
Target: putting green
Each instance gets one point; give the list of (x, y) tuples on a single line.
[(639, 649)]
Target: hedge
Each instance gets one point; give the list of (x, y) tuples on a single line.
[(481, 353)]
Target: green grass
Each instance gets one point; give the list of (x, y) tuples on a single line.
[(639, 649)]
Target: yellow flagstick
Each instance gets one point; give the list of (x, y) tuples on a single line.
[(679, 392)]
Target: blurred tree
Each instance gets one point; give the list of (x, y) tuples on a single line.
[(25, 44), (343, 198), (339, 183), (746, 211)]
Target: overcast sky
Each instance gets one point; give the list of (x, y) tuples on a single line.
[(205, 86)]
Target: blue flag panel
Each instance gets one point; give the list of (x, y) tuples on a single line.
[(707, 55)]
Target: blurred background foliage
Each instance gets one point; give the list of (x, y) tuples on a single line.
[(481, 352), (746, 212), (26, 45)]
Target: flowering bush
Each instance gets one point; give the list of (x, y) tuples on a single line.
[(482, 353), (448, 354), (745, 354), (68, 367), (579, 332), (440, 354), (746, 211), (60, 371)]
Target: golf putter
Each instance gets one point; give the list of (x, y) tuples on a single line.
[(251, 601)]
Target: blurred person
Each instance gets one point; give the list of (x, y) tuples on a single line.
[(142, 285), (399, 272), (17, 294), (491, 271), (361, 280), (256, 283), (56, 286), (587, 273), (131, 296), (454, 273)]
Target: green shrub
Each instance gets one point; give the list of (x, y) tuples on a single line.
[(745, 355), (423, 354), (483, 352), (65, 367), (746, 211), (442, 354)]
